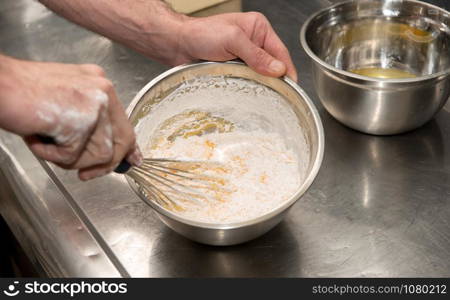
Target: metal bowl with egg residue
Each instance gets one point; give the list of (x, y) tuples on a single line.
[(305, 116), (380, 67)]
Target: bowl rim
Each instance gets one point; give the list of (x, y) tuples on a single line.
[(280, 208), (326, 65)]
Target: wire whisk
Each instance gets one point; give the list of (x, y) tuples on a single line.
[(171, 183)]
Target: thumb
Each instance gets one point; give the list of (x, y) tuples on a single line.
[(255, 57)]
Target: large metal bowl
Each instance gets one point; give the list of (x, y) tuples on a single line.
[(307, 118), (408, 35)]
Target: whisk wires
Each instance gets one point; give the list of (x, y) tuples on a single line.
[(170, 183)]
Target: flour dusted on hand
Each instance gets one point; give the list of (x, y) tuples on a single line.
[(248, 129)]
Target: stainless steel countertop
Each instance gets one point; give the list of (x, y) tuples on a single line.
[(380, 206)]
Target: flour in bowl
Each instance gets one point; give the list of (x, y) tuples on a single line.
[(248, 131), (258, 171)]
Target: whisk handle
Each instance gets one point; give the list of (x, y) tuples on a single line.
[(123, 167)]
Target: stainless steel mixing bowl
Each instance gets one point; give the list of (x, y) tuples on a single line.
[(307, 118), (406, 35)]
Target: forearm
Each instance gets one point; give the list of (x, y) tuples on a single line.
[(14, 89), (147, 26), (153, 29), (8, 84), (5, 63)]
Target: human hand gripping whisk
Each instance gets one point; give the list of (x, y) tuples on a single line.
[(171, 182)]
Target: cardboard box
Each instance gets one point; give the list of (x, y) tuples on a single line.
[(201, 8)]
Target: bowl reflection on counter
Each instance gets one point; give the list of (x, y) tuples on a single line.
[(276, 254), (401, 36)]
